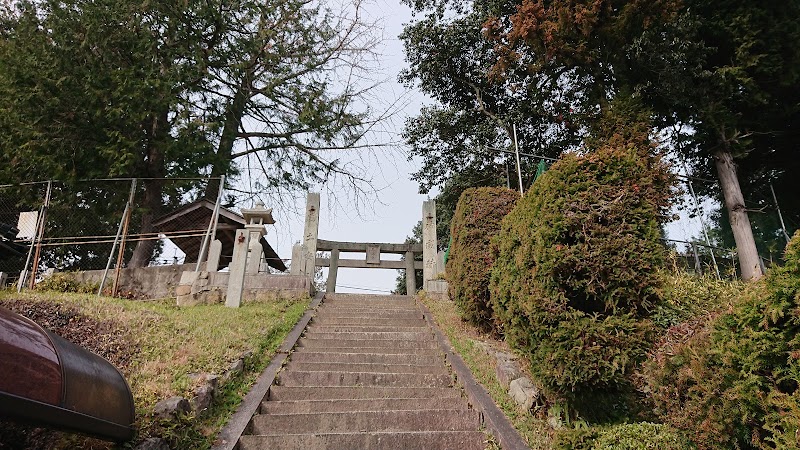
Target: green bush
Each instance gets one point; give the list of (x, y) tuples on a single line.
[(735, 383), (476, 220), (576, 276), (64, 282)]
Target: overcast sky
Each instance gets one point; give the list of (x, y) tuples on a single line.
[(398, 207)]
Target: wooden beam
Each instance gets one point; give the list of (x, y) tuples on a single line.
[(361, 264), (361, 247)]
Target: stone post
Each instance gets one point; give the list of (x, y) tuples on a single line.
[(428, 242), (214, 253), (411, 278), (310, 234), (440, 266), (297, 259), (3, 279), (255, 250), (333, 269), (237, 269)]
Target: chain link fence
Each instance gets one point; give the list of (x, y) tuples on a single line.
[(103, 225), (701, 239)]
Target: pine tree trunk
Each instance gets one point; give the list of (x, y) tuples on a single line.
[(153, 188), (143, 252), (230, 130), (740, 222)]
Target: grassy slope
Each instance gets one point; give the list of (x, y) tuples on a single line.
[(466, 341), (171, 343)]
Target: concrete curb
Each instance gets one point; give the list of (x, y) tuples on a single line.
[(228, 437), (493, 418)]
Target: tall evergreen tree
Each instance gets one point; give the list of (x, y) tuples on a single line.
[(162, 89)]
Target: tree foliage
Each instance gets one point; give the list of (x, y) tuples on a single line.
[(719, 80), (471, 124), (159, 89), (720, 77)]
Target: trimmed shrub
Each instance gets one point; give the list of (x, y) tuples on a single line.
[(576, 276), (476, 220), (734, 384)]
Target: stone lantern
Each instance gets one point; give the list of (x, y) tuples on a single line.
[(247, 251)]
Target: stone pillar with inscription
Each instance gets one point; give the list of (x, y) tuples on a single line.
[(428, 242), (310, 235)]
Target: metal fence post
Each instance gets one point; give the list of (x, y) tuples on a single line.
[(37, 242), (211, 233), (126, 219), (113, 248)]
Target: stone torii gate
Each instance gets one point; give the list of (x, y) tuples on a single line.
[(305, 261)]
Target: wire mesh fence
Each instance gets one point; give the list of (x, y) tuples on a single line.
[(703, 260), (103, 224)]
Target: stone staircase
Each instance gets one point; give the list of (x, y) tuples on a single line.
[(367, 373)]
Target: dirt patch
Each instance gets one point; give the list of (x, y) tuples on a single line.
[(109, 339)]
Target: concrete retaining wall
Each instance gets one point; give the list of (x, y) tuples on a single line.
[(206, 288), (146, 282)]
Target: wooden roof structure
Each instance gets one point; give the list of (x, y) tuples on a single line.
[(187, 225)]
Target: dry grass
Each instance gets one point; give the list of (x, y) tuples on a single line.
[(470, 343), (174, 342)]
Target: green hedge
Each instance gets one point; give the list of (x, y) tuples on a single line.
[(576, 274), (734, 383), (476, 220)]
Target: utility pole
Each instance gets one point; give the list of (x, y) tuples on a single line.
[(519, 168)]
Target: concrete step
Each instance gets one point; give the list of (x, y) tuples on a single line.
[(370, 303), (310, 342), (368, 321), (368, 314), (303, 378), (441, 440), (367, 421), (367, 358), (290, 393), (376, 335), (357, 308), (365, 328), (365, 367), (384, 350), (369, 404), (368, 297)]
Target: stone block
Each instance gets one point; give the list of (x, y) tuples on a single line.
[(436, 286), (169, 408), (3, 279), (524, 392), (235, 369), (183, 289), (507, 370), (153, 443), (203, 397)]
